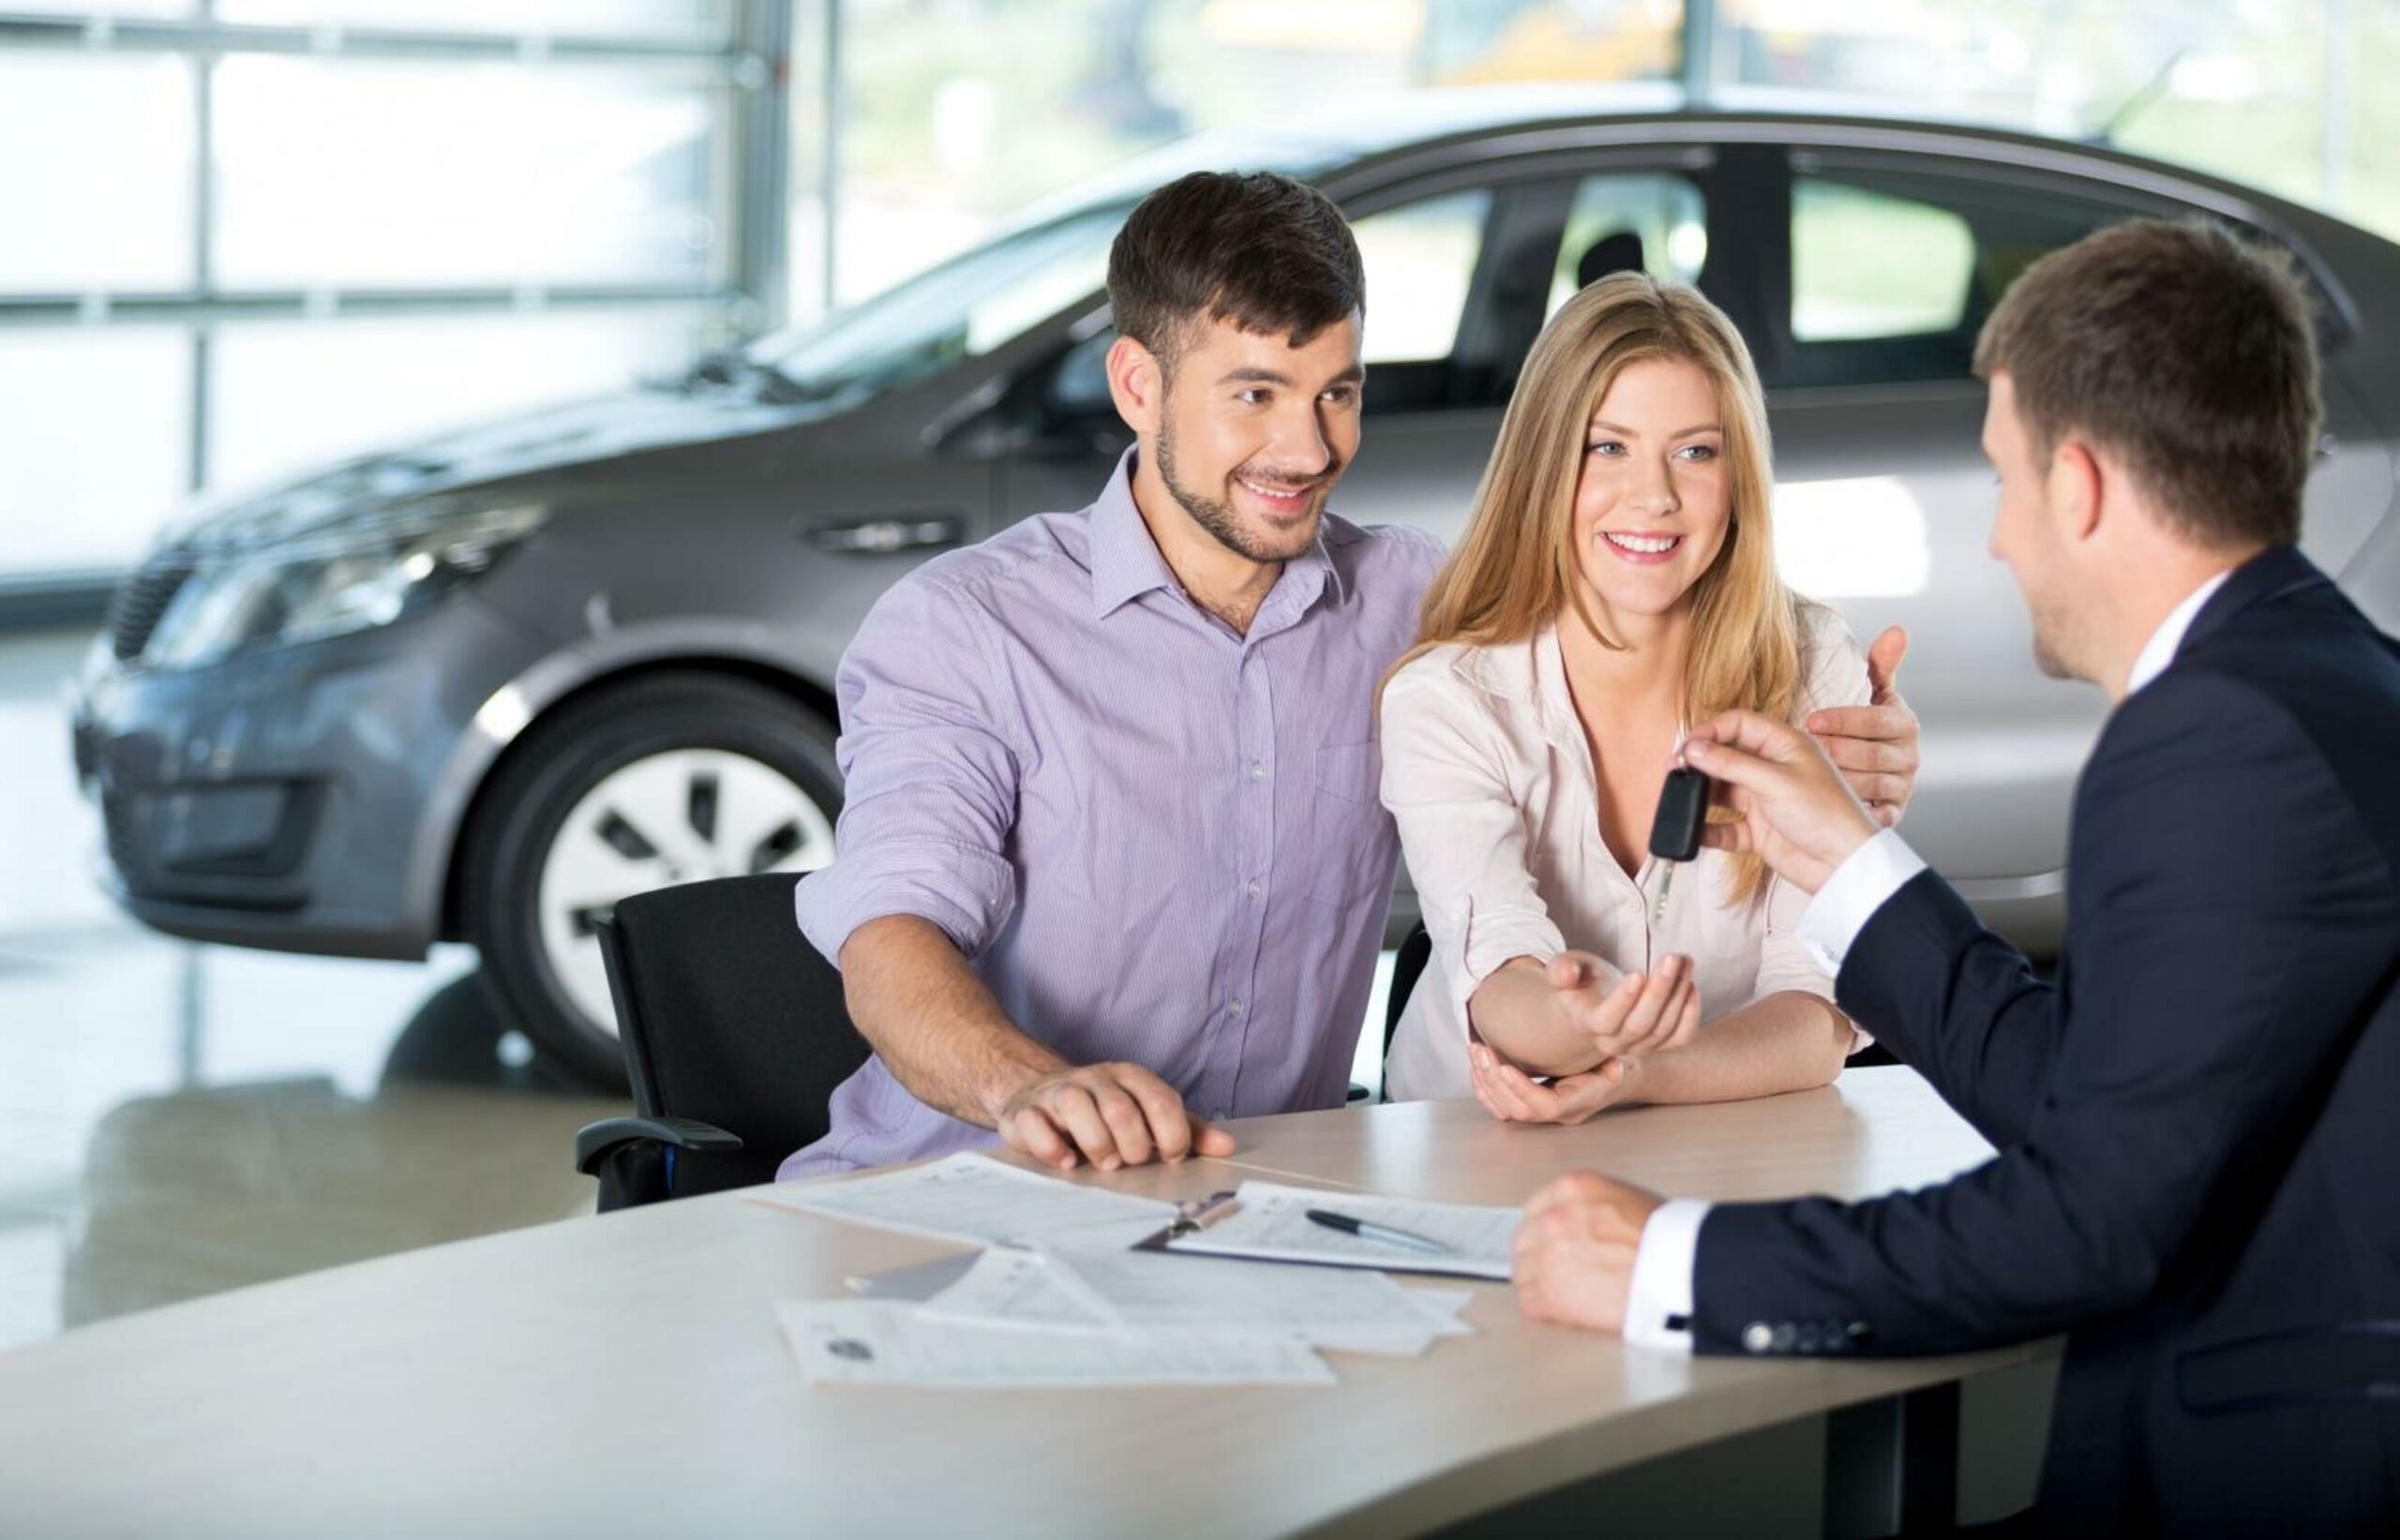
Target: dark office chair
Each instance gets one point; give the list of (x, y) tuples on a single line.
[(1415, 948), (1416, 951), (735, 1037)]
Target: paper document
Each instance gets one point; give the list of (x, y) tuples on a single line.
[(1269, 1222), (1142, 1290), (974, 1198), (873, 1341)]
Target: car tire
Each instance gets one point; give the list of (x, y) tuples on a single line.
[(672, 777)]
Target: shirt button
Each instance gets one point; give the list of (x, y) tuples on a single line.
[(1236, 1007), (1257, 771), (1254, 890)]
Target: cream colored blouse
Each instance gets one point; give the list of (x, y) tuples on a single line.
[(1487, 773)]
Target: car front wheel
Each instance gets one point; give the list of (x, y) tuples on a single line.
[(666, 779)]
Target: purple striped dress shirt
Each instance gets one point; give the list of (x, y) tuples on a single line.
[(1156, 839)]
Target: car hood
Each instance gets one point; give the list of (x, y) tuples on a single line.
[(446, 469)]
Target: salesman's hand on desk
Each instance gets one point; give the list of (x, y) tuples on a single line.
[(1575, 1250), (1109, 1115), (1875, 744), (1795, 808)]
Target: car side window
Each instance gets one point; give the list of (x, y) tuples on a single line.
[(1420, 261), (1079, 388), (1647, 222), (1894, 270), (1868, 264)]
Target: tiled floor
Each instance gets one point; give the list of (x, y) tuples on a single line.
[(178, 1119)]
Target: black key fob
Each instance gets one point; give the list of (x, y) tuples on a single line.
[(1682, 811)]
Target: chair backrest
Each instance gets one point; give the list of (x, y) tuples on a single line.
[(1408, 965), (728, 1015), (1620, 252)]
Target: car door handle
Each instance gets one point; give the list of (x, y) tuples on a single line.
[(893, 532)]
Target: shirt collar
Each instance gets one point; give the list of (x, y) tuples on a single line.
[(2158, 653), (1126, 563)]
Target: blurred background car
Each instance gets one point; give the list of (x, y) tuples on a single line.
[(483, 685)]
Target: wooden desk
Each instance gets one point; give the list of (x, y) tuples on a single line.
[(623, 1374)]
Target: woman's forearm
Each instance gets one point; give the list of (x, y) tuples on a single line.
[(1515, 1010), (1788, 1042)]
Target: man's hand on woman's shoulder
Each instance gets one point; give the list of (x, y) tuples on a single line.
[(1875, 745)]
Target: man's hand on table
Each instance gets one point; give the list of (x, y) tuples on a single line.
[(1575, 1250), (1875, 744), (1107, 1114)]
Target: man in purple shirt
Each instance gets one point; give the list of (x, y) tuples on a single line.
[(1112, 865)]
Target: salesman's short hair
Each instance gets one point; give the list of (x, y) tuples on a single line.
[(2185, 350), (1270, 254)]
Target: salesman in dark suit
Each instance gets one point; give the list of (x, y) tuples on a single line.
[(2198, 1124)]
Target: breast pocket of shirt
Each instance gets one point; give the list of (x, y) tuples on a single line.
[(1348, 850)]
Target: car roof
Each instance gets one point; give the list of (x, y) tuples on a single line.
[(1421, 127)]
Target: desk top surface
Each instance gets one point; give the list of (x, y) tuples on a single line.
[(624, 1373)]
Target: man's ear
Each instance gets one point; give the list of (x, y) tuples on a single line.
[(2077, 481), (1137, 383)]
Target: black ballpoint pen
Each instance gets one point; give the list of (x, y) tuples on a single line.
[(1370, 1231)]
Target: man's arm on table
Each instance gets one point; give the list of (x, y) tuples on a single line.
[(920, 885), (944, 1036), (2229, 969)]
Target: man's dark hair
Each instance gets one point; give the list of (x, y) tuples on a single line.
[(1267, 253), (2182, 349)]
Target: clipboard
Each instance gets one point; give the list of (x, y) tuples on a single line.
[(1191, 1218), (1196, 1220)]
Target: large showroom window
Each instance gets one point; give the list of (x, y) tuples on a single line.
[(267, 233)]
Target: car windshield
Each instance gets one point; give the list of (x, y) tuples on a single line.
[(962, 309)]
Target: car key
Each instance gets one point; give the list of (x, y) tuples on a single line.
[(1675, 833)]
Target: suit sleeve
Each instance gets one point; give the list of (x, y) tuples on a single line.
[(2232, 922), (1954, 1003)]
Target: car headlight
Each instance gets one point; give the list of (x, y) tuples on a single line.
[(308, 592)]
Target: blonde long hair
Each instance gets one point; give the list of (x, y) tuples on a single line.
[(1517, 569)]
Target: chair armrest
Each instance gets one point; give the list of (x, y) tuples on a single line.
[(594, 1140)]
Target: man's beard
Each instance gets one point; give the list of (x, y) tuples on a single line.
[(1224, 525)]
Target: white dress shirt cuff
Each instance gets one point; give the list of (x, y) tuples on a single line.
[(1658, 1311), (1859, 887)]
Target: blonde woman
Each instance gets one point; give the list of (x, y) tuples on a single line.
[(1616, 583)]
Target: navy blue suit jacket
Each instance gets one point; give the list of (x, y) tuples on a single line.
[(2198, 1124)]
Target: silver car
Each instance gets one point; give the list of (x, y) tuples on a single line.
[(485, 686)]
